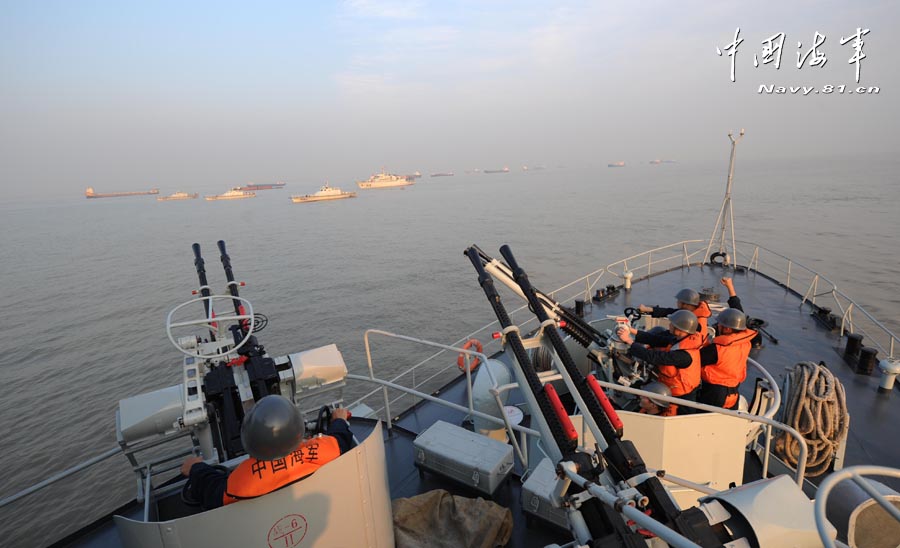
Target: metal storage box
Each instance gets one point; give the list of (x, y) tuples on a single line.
[(536, 492), (480, 462)]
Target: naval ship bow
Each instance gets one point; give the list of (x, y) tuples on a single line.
[(538, 414)]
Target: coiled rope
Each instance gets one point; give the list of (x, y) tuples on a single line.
[(816, 406)]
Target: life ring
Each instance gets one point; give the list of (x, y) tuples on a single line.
[(718, 255), (461, 359)]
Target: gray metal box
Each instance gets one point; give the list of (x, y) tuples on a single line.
[(480, 462), (536, 492)]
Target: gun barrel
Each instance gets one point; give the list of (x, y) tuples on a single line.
[(229, 276), (200, 265), (558, 430), (603, 419)]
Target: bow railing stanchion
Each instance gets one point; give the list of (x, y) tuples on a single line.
[(387, 404)]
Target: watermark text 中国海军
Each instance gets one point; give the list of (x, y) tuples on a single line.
[(813, 56)]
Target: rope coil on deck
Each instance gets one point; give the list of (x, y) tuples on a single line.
[(816, 406)]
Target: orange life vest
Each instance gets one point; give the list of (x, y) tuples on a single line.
[(731, 368), (703, 313), (682, 381), (255, 478)]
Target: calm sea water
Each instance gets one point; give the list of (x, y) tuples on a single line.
[(87, 283)]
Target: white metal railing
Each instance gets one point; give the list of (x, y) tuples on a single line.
[(854, 473), (806, 282), (469, 354)]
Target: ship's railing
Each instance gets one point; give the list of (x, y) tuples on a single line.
[(155, 465), (803, 281), (818, 290), (812, 287), (60, 476), (469, 409), (856, 474)]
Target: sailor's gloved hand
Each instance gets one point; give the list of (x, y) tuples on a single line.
[(188, 464), (340, 413), (643, 309), (624, 334)]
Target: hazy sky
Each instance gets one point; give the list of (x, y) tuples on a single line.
[(126, 95)]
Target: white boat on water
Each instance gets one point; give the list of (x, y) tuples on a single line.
[(233, 194), (386, 180), (178, 196), (545, 424), (324, 193)]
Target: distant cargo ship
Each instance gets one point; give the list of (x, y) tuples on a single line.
[(324, 193), (616, 164), (504, 170), (443, 174), (385, 180), (89, 193), (178, 196), (233, 194), (252, 187)]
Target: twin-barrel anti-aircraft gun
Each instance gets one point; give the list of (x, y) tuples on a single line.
[(607, 354), (609, 495), (225, 371)]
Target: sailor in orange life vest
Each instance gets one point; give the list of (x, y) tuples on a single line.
[(677, 362), (272, 433), (724, 362), (686, 299)]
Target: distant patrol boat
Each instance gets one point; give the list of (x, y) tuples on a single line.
[(324, 193), (385, 180)]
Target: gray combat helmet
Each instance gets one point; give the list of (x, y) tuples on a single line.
[(685, 320), (272, 428), (688, 296), (733, 318), (658, 388)]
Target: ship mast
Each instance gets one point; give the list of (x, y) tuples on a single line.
[(726, 214)]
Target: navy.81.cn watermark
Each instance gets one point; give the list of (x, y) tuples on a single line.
[(827, 89)]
